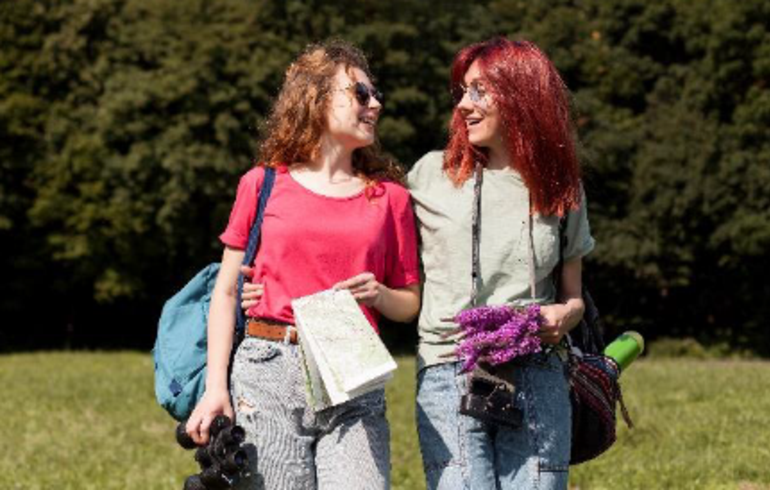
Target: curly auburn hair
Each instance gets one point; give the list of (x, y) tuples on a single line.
[(533, 104), (292, 133)]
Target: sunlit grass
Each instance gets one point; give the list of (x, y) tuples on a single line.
[(699, 425), (89, 421)]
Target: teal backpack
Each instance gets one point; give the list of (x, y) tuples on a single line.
[(181, 346)]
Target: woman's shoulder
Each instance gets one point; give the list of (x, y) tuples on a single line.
[(396, 191), (426, 170), (251, 181), (253, 176), (433, 161)]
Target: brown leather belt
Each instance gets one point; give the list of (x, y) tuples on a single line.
[(266, 329)]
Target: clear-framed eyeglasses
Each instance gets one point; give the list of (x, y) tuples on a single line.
[(477, 94)]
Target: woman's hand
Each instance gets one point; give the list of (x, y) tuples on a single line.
[(365, 289), (559, 319), (399, 304), (252, 292), (213, 403)]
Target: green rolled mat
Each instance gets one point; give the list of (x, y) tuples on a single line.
[(625, 349)]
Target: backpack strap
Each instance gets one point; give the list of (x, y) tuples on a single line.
[(587, 335), (251, 247)]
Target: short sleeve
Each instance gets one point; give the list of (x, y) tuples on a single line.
[(578, 233), (403, 269), (244, 210)]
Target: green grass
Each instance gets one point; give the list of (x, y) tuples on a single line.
[(89, 421)]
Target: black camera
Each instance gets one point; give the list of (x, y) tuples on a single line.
[(490, 398), (222, 461)]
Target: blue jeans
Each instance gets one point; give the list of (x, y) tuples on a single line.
[(461, 452)]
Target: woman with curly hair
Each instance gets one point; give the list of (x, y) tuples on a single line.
[(511, 129), (338, 216)]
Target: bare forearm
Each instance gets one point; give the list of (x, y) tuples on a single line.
[(399, 305), (574, 312), (565, 314), (571, 293), (220, 340), (221, 325)]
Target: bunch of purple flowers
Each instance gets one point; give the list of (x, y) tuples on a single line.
[(497, 334)]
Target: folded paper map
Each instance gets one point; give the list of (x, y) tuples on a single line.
[(343, 355)]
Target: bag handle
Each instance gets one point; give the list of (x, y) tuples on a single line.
[(251, 247)]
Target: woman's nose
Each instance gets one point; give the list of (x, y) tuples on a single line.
[(465, 104), (374, 103)]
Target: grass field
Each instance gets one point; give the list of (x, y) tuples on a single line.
[(89, 421)]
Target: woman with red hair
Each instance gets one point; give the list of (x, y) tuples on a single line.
[(330, 178), (511, 129)]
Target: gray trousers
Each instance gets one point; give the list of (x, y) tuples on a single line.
[(290, 446)]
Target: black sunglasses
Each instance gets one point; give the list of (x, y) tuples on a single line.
[(364, 94)]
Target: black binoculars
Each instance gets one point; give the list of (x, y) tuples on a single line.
[(491, 401), (222, 461)]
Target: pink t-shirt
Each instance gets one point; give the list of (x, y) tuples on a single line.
[(309, 241)]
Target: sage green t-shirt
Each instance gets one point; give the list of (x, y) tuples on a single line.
[(444, 214)]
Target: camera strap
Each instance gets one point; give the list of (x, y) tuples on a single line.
[(491, 389), (476, 239)]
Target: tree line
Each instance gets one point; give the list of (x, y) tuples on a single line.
[(125, 125)]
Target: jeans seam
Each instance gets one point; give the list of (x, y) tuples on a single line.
[(461, 424)]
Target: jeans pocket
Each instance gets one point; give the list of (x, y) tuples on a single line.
[(261, 377), (254, 350), (255, 362), (549, 413)]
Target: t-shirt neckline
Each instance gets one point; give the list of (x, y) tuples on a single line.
[(324, 196)]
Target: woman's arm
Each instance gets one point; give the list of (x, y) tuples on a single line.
[(397, 304), (221, 328), (563, 316)]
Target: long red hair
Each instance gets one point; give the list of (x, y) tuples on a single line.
[(533, 104)]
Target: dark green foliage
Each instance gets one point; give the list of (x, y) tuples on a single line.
[(126, 123)]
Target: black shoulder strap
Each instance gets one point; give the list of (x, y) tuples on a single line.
[(587, 335), (253, 244)]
